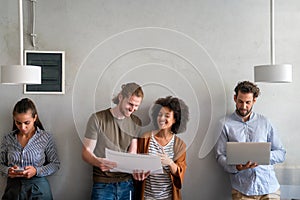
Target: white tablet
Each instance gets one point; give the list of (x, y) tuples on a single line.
[(242, 152)]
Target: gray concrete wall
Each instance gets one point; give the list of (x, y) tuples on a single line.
[(197, 50)]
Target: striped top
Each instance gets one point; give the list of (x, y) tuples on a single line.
[(159, 186), (40, 152)]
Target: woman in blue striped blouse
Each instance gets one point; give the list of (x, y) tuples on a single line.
[(28, 155)]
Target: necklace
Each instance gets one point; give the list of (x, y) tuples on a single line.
[(163, 139)]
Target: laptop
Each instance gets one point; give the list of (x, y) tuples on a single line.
[(242, 152)]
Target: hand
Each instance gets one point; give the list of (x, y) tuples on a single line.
[(29, 171), (165, 160), (140, 175), (12, 173), (248, 165), (106, 165)]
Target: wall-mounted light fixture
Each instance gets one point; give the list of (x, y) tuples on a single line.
[(273, 73), (21, 74)]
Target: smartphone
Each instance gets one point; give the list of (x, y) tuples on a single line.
[(19, 170)]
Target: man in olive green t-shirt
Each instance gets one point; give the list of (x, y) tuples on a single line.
[(116, 129)]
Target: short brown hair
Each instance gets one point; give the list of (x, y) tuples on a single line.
[(247, 87)]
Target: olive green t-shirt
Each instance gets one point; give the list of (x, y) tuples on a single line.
[(112, 133)]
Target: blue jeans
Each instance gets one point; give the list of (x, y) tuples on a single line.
[(113, 191), (36, 188)]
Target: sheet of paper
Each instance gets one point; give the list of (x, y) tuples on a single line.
[(127, 162)]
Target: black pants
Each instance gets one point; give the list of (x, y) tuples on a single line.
[(36, 188)]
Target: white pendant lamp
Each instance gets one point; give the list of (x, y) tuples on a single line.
[(273, 73), (21, 74)]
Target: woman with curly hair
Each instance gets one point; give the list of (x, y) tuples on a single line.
[(169, 116)]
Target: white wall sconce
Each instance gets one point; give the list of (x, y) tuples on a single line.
[(20, 74), (273, 73)]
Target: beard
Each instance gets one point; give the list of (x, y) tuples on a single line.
[(125, 112), (243, 114)]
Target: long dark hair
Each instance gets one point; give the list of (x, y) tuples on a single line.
[(23, 106)]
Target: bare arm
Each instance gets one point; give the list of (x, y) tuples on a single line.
[(133, 146), (89, 156)]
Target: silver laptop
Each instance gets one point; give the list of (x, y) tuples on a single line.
[(242, 152)]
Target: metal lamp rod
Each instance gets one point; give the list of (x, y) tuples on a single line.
[(272, 32), (21, 30)]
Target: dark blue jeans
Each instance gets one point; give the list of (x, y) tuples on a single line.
[(36, 188), (113, 191)]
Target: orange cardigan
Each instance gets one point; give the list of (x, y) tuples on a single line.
[(179, 159)]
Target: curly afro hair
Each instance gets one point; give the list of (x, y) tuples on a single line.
[(179, 108)]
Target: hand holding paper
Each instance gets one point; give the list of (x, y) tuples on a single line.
[(165, 160), (140, 175), (106, 165)]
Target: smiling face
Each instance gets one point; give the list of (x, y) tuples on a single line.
[(25, 122), (165, 118), (128, 105)]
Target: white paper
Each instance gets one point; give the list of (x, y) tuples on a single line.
[(127, 162)]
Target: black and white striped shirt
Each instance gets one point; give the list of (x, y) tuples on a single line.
[(159, 186), (40, 152)]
